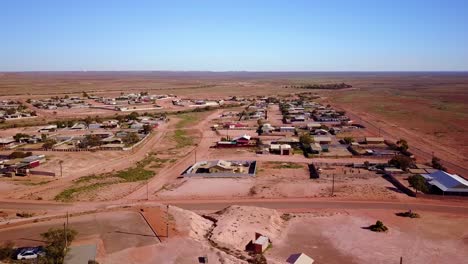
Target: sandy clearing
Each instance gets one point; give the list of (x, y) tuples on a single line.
[(339, 237)]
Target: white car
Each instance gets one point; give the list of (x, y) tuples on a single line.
[(29, 253)]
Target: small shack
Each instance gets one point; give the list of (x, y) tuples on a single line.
[(259, 244), (375, 140), (299, 258)]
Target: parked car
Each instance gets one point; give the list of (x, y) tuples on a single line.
[(29, 253)]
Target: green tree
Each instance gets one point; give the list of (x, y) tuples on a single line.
[(57, 244), (402, 144), (10, 111), (305, 139), (93, 140), (418, 182), (49, 143), (19, 136), (437, 164), (348, 140), (147, 128), (131, 138), (132, 116), (401, 161)]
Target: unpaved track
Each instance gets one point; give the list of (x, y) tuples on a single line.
[(292, 204)]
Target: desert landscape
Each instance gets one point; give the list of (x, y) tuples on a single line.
[(229, 159), (234, 132)]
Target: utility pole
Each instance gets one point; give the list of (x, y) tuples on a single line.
[(167, 221), (66, 239), (333, 185), (195, 155), (61, 168), (147, 191), (401, 260)]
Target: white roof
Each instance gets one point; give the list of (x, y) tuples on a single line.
[(320, 139), (447, 182), (300, 259), (261, 240), (6, 140), (244, 136)]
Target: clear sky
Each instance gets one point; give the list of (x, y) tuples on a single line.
[(238, 35)]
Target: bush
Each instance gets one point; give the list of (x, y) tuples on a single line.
[(409, 214), (7, 250), (378, 227)]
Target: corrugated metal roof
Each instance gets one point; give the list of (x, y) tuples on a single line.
[(447, 182)]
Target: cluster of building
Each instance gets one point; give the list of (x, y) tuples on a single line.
[(106, 135), (131, 98), (20, 166), (302, 111), (54, 103), (11, 110)]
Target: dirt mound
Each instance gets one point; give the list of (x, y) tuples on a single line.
[(236, 225), (190, 223)]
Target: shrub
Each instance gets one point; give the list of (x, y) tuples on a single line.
[(378, 227), (409, 214), (7, 250)]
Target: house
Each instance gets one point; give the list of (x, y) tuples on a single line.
[(267, 128), (298, 118), (288, 129), (322, 140), (299, 258), (294, 142), (7, 142), (313, 126), (315, 148), (219, 166), (446, 183), (94, 125), (50, 128), (374, 140), (242, 140), (281, 149), (321, 132), (259, 244)]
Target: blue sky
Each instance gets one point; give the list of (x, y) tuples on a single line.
[(332, 35)]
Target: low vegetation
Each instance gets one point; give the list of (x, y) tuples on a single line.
[(378, 227), (409, 214), (94, 182), (285, 165), (24, 214), (331, 86), (7, 250), (182, 139)]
